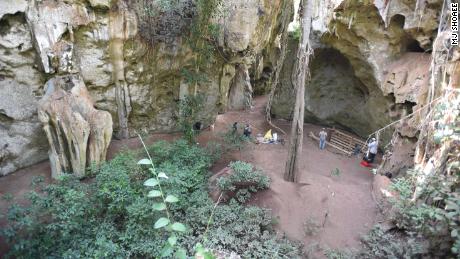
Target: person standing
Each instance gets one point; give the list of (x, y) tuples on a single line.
[(235, 127), (322, 138), (372, 150)]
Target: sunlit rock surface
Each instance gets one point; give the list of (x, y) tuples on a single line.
[(137, 79), (78, 134), (369, 66)]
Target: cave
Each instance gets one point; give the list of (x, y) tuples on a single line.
[(7, 21), (414, 46), (398, 20), (197, 167), (356, 107), (333, 80)]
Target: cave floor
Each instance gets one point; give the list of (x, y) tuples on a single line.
[(345, 197)]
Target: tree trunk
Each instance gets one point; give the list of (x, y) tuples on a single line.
[(286, 19), (299, 76)]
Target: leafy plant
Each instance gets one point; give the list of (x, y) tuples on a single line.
[(112, 215), (243, 173), (296, 33), (233, 140), (189, 107), (335, 172), (202, 41), (338, 254), (157, 192), (381, 244)]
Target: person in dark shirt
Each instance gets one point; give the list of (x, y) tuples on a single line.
[(247, 131), (235, 127)]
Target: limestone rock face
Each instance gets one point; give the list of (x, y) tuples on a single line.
[(48, 21), (21, 136), (241, 91), (136, 79), (79, 134), (12, 7), (334, 96), (406, 81), (368, 63)]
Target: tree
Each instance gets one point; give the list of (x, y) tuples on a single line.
[(300, 74)]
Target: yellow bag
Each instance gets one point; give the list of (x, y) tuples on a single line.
[(268, 135)]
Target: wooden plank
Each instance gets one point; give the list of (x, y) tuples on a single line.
[(330, 144), (338, 132), (341, 141), (349, 138), (341, 145)]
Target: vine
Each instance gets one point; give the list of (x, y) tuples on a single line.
[(202, 41), (162, 205), (190, 106)]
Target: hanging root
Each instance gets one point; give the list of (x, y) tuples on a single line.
[(283, 42)]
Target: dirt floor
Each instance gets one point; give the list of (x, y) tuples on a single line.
[(332, 200)]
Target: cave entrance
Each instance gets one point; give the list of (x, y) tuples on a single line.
[(335, 96)]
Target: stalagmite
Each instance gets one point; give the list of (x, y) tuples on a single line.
[(78, 134)]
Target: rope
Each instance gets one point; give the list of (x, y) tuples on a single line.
[(377, 132)]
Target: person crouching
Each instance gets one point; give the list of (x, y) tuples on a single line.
[(372, 150)]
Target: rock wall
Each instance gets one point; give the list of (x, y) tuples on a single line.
[(131, 70), (370, 63)]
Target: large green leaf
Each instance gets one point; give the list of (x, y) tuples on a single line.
[(166, 251), (154, 193), (178, 227), (152, 182), (171, 198), (162, 175), (181, 254), (159, 206), (144, 161), (161, 222), (172, 240)]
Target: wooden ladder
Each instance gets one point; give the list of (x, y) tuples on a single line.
[(343, 142)]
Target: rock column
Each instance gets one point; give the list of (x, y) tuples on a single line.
[(78, 134)]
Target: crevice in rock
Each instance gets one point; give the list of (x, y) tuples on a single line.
[(414, 46), (398, 20), (5, 120), (8, 19)]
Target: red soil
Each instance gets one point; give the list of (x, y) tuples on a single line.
[(345, 198)]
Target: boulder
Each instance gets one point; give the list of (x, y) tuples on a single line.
[(78, 134)]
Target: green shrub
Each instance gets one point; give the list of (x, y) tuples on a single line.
[(296, 33), (243, 173), (426, 227), (380, 244), (190, 107), (435, 215), (338, 254), (112, 217), (233, 140)]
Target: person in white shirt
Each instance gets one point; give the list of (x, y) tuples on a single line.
[(372, 150), (322, 138)]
